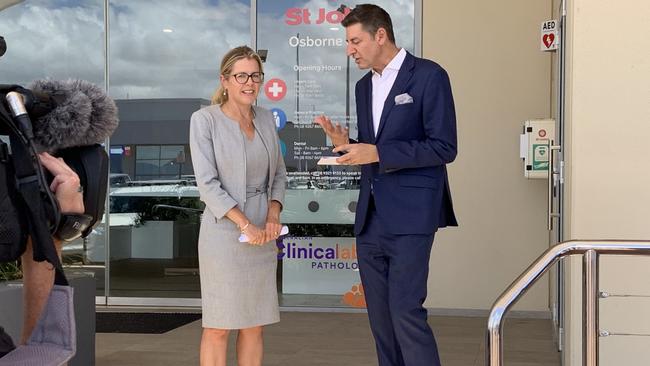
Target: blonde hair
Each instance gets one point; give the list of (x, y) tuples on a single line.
[(229, 60)]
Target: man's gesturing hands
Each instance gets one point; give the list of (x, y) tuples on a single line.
[(354, 154)]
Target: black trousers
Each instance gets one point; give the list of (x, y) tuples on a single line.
[(394, 271)]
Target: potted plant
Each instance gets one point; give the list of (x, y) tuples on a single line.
[(10, 271)]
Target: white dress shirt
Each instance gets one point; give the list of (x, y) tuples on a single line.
[(382, 84)]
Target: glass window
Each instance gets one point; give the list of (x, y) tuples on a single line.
[(53, 39), (147, 167), (172, 49), (307, 74), (159, 162), (165, 57), (58, 40), (172, 152), (148, 152)]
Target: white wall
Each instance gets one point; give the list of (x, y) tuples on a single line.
[(608, 165), (500, 78)]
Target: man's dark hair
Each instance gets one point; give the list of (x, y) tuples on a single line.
[(371, 17)]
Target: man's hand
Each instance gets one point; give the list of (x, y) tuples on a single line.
[(339, 135), (357, 154), (65, 185)]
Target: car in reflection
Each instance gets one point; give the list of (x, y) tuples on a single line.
[(305, 184), (161, 182), (191, 179), (124, 180), (119, 180)]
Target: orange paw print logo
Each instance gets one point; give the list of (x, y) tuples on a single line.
[(355, 297)]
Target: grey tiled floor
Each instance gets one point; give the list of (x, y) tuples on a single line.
[(336, 339)]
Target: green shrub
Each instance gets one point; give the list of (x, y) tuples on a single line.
[(10, 271)]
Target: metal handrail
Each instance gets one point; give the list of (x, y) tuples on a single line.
[(591, 249)]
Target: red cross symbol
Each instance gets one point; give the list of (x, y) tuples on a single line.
[(275, 89)]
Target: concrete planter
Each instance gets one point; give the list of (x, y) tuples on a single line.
[(11, 314)]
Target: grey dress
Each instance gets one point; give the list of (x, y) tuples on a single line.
[(238, 280)]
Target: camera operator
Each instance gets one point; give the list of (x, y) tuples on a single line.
[(38, 277)]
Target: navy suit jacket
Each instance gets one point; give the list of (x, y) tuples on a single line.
[(415, 141)]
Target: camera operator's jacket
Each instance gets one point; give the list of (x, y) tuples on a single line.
[(218, 157)]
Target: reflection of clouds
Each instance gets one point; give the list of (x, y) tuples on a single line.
[(66, 41), (147, 63), (48, 41), (63, 39)]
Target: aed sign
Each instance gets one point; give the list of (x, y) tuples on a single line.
[(549, 35)]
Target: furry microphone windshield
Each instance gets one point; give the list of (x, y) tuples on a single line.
[(81, 114)]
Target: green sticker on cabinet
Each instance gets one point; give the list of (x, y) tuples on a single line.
[(540, 157)]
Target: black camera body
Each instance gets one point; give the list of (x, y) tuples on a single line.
[(26, 202), (13, 220)]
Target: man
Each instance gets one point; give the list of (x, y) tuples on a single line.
[(407, 134), (38, 277)]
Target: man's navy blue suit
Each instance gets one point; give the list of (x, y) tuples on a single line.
[(404, 199)]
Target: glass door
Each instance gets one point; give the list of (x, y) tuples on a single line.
[(164, 59), (308, 74)]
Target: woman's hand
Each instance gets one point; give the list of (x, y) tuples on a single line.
[(273, 228), (256, 236)]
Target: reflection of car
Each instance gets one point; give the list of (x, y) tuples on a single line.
[(168, 190), (342, 185), (161, 182), (304, 184), (124, 180), (189, 178), (119, 180)]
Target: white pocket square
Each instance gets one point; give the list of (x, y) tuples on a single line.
[(403, 99)]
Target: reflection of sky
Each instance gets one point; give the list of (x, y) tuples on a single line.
[(64, 38), (279, 7), (148, 63), (63, 3), (57, 39), (242, 2)]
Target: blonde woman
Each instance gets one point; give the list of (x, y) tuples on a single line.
[(241, 177)]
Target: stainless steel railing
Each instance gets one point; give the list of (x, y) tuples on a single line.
[(591, 250)]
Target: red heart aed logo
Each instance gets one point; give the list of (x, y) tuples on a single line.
[(548, 39)]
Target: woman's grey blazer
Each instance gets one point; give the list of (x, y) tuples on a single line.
[(219, 160)]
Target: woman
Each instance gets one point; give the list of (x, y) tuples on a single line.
[(241, 177)]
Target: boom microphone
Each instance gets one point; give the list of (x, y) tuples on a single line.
[(69, 113), (69, 119)]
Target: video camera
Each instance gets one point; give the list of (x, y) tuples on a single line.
[(69, 119)]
